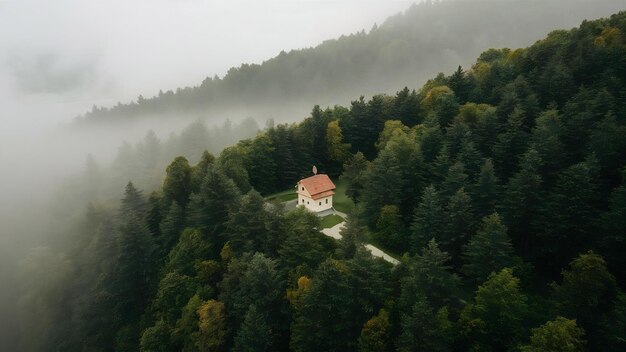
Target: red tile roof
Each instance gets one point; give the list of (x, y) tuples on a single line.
[(318, 186)]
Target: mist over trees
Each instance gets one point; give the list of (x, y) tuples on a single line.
[(405, 50), (500, 187)]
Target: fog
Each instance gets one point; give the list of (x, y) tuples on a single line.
[(60, 58), (57, 59)]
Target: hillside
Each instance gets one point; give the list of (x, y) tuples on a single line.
[(403, 51), (503, 187)]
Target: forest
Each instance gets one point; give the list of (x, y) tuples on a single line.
[(404, 50), (501, 188)]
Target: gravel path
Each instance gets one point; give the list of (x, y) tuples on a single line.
[(334, 232)]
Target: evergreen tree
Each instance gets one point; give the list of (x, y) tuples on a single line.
[(209, 208), (422, 329), (177, 185), (155, 338), (326, 320), (304, 243), (133, 280), (406, 107), (489, 251), (254, 335), (455, 179), (546, 140), (570, 216), (260, 164), (246, 225), (559, 335), (494, 321), (354, 172), (433, 276), (511, 143), (154, 215), (390, 230), (486, 190), (189, 249), (614, 223), (459, 223), (427, 219), (133, 201), (523, 201), (588, 293), (170, 229)]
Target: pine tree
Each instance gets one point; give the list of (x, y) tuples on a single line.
[(208, 210), (489, 251), (133, 201), (522, 202), (170, 229), (459, 223), (588, 293), (486, 190), (246, 225), (433, 276), (559, 335), (254, 335), (494, 321), (456, 179), (326, 320), (354, 172), (511, 143), (422, 329), (427, 220), (569, 217), (177, 185)]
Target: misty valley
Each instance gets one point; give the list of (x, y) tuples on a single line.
[(452, 179)]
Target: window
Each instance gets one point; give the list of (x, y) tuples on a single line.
[(303, 188), (303, 201), (326, 200), (320, 203), (307, 202)]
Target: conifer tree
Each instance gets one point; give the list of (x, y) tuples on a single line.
[(486, 190), (177, 185), (512, 142), (494, 321), (422, 329), (246, 228), (489, 251), (170, 229), (427, 219), (559, 335), (522, 202), (209, 208), (254, 335), (459, 223), (354, 173)]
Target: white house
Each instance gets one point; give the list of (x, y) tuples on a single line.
[(316, 193)]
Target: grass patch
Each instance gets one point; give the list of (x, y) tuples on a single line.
[(283, 196), (341, 202), (331, 220)]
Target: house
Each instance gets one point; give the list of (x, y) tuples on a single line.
[(316, 192)]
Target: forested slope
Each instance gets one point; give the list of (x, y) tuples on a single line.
[(405, 50), (502, 187)]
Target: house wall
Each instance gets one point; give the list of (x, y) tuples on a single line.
[(315, 205)]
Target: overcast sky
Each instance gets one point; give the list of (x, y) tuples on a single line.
[(59, 57)]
